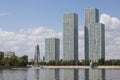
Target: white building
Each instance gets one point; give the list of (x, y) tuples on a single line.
[(9, 54)]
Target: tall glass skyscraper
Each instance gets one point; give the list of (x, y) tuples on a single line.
[(94, 36), (52, 48), (70, 36)]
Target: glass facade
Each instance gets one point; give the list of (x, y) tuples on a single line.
[(70, 36), (52, 49), (94, 36)]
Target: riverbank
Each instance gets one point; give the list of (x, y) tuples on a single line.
[(61, 67), (14, 67), (80, 67)]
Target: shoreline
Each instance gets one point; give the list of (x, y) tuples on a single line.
[(63, 67), (80, 67), (14, 67)]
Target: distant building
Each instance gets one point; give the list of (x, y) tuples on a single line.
[(36, 56), (70, 36), (52, 48), (9, 54), (94, 36)]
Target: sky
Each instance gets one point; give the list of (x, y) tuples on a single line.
[(25, 23)]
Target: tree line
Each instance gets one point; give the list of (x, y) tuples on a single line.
[(13, 60), (81, 62)]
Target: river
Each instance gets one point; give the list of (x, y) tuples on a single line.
[(60, 74)]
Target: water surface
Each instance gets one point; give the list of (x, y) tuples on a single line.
[(60, 74)]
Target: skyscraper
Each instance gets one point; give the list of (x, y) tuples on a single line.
[(94, 36), (52, 46), (70, 36)]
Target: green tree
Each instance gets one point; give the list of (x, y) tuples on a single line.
[(85, 62), (5, 61), (21, 62), (101, 62), (13, 61), (52, 62), (24, 59), (1, 55)]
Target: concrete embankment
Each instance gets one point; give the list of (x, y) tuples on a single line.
[(68, 67), (108, 67), (81, 67)]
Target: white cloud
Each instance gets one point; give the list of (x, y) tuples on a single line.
[(112, 25), (25, 41)]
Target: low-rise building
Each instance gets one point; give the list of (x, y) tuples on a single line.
[(9, 54)]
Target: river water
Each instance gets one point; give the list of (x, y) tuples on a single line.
[(60, 74)]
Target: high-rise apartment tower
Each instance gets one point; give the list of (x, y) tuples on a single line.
[(94, 36), (70, 36), (52, 46)]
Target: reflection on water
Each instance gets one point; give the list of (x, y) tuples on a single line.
[(60, 74), (70, 74), (1, 74), (13, 74), (94, 74), (36, 74), (57, 73), (52, 74)]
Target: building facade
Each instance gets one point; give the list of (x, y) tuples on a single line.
[(52, 46), (9, 54), (96, 41), (70, 36), (94, 36)]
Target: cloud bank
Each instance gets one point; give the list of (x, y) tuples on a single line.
[(24, 41), (112, 35)]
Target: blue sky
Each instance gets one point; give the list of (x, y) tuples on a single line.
[(25, 23), (48, 13)]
